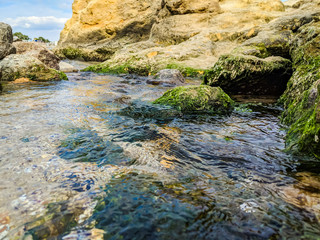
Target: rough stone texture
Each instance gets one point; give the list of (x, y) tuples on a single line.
[(197, 99), (250, 75), (293, 38), (67, 68), (191, 33), (302, 97), (171, 77), (38, 51), (6, 39), (17, 66)]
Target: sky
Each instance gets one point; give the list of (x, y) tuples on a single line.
[(35, 18)]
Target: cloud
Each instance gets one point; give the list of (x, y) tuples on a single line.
[(37, 23)]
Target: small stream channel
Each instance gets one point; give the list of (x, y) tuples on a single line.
[(92, 158)]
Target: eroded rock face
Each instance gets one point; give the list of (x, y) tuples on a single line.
[(38, 51), (17, 66), (289, 41), (6, 39), (250, 75), (179, 30), (96, 20), (302, 97)]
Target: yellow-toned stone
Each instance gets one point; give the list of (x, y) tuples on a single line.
[(152, 54), (22, 80)]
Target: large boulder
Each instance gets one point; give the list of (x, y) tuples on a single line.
[(38, 51), (250, 75), (6, 39), (188, 32), (25, 66), (262, 65), (197, 99)]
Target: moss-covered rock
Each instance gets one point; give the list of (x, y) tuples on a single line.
[(125, 68), (250, 75), (197, 99), (141, 67), (24, 66), (301, 100), (84, 54)]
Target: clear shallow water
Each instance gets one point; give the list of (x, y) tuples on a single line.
[(91, 158)]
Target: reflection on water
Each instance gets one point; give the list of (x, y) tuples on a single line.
[(92, 158)]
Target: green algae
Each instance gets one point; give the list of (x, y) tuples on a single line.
[(245, 74), (99, 54), (301, 99), (197, 99), (125, 68), (185, 70)]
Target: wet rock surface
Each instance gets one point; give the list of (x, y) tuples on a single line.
[(249, 75), (197, 99)]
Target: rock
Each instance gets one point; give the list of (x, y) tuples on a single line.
[(141, 110), (67, 68), (38, 51), (170, 77), (197, 99), (109, 20), (6, 39), (178, 7), (302, 97), (250, 75), (180, 32), (25, 66)]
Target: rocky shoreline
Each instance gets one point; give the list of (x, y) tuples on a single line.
[(261, 48), (26, 60)]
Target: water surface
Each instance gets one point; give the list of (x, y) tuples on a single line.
[(92, 158)]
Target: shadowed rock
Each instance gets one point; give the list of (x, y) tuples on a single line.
[(6, 39), (244, 74)]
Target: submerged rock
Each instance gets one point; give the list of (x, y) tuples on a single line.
[(24, 66), (171, 77), (197, 99), (6, 39), (141, 110), (245, 74)]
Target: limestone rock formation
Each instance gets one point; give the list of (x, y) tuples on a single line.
[(17, 66), (154, 34), (32, 61), (6, 39), (38, 51), (293, 40), (302, 97)]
